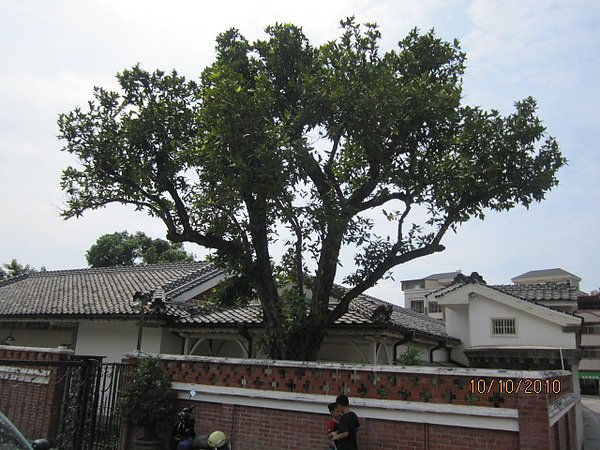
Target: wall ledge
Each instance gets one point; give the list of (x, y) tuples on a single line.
[(456, 371), (62, 351), (403, 411)]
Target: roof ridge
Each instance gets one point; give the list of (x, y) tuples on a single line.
[(538, 285), (110, 269), (14, 279), (399, 308), (535, 302)]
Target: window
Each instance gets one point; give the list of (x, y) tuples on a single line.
[(591, 353), (434, 307), (504, 327), (417, 305), (590, 329)]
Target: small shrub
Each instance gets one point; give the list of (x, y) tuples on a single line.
[(411, 357), (148, 400)]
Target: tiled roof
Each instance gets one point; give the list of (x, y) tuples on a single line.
[(360, 312), (99, 291), (249, 315), (530, 292), (109, 292), (545, 273), (540, 292), (402, 318), (590, 316), (442, 276), (436, 276)]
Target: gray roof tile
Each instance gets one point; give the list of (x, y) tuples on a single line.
[(360, 312), (545, 273), (442, 276), (98, 291), (109, 292), (540, 292)]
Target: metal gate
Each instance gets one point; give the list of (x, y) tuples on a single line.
[(73, 402), (109, 424)]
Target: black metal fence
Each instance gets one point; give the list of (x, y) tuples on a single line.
[(72, 402)]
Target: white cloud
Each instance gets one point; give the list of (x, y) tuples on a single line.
[(54, 52)]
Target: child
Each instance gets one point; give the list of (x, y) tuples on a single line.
[(345, 437), (332, 423)]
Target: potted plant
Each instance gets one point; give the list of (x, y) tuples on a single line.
[(148, 401)]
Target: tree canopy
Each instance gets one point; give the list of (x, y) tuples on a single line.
[(281, 142), (14, 268), (124, 249)]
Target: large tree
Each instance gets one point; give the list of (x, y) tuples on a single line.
[(280, 140), (124, 249)]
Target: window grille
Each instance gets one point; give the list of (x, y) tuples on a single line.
[(504, 327), (434, 307), (417, 305)]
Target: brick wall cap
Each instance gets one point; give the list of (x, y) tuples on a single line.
[(463, 416), (62, 351), (427, 370)]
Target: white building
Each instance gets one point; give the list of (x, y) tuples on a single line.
[(415, 293), (500, 330), (543, 276)]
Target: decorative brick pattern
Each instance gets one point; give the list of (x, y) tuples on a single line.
[(33, 406), (431, 388), (255, 428)]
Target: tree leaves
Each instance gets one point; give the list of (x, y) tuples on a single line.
[(124, 249), (281, 136)]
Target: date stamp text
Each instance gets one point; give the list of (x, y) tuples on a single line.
[(528, 386)]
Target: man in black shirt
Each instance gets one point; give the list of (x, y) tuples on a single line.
[(345, 438)]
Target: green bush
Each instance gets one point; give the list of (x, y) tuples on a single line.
[(147, 400), (411, 357)]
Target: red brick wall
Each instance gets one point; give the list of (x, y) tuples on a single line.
[(418, 387), (256, 428), (33, 407), (260, 428), (562, 433)]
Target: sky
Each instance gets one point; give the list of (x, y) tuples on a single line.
[(54, 53)]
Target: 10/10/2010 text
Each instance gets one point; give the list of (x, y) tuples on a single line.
[(528, 386)]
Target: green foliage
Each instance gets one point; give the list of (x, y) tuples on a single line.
[(148, 400), (411, 356), (124, 249), (233, 292), (281, 140), (14, 268)]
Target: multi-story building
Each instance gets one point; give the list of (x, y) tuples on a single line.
[(415, 293), (546, 276), (589, 309), (554, 288)]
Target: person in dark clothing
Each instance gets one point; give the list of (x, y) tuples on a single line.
[(345, 437), (332, 423)]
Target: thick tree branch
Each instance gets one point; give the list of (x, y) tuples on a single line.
[(401, 222), (328, 169), (363, 191), (382, 198), (313, 170), (261, 273), (392, 260)]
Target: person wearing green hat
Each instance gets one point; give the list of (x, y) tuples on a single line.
[(218, 440)]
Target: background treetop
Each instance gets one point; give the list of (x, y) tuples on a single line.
[(124, 249), (281, 142)]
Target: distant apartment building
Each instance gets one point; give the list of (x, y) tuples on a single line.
[(415, 293), (554, 288), (589, 366)]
